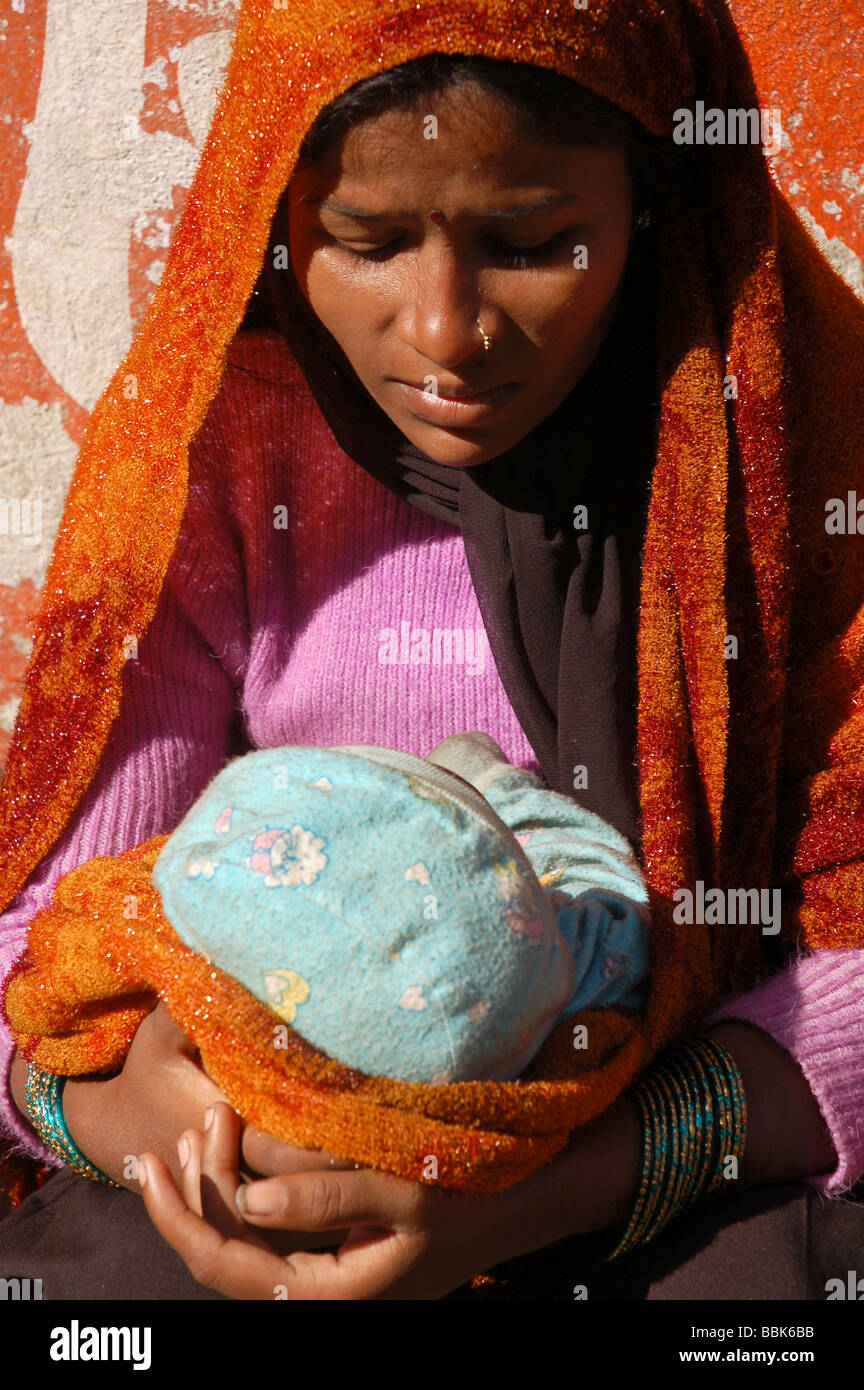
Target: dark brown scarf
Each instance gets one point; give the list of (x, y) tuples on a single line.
[(559, 605)]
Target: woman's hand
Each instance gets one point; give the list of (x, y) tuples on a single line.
[(161, 1091), (396, 1239)]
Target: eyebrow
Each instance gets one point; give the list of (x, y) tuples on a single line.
[(554, 200)]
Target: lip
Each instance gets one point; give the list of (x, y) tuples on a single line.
[(449, 410)]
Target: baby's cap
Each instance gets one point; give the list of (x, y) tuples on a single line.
[(396, 925)]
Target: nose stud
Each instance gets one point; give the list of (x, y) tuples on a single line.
[(487, 341)]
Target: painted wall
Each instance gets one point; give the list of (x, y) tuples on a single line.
[(104, 105)]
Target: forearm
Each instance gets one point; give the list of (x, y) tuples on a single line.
[(591, 1185), (814, 1010)]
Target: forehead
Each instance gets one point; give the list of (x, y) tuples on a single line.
[(466, 136)]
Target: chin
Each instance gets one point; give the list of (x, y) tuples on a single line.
[(456, 450)]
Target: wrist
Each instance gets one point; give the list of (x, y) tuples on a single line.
[(590, 1186), (86, 1105), (43, 1099), (599, 1171)]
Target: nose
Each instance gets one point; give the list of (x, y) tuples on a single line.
[(441, 306)]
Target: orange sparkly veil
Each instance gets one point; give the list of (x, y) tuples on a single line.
[(750, 765)]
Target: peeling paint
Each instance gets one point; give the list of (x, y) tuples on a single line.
[(841, 256), (36, 461)]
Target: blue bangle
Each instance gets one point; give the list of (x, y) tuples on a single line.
[(43, 1093)]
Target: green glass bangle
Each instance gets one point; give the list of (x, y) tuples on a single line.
[(667, 1158), (731, 1090), (628, 1236), (681, 1168), (678, 1195), (683, 1104), (697, 1087), (43, 1092), (722, 1085), (703, 1116)]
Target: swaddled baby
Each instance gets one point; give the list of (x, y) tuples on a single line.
[(422, 919)]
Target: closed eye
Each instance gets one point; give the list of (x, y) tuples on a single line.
[(519, 257), (523, 256)]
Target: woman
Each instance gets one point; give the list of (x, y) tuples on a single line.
[(653, 330)]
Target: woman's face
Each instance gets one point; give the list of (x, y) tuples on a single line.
[(402, 293)]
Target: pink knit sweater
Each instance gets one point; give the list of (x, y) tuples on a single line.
[(307, 601)]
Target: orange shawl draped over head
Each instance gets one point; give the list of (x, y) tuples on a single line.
[(750, 765)]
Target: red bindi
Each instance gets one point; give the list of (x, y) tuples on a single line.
[(436, 215)]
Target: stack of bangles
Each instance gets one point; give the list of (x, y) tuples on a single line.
[(43, 1093), (694, 1125)]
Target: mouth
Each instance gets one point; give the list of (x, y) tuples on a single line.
[(459, 406)]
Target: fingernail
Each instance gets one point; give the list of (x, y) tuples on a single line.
[(183, 1151), (208, 1116), (263, 1199), (142, 1173)]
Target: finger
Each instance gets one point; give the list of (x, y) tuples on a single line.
[(376, 1266), (367, 1267), (326, 1201), (220, 1181), (229, 1266), (219, 1176), (270, 1157), (189, 1147)]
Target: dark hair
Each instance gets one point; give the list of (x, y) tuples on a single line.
[(545, 103)]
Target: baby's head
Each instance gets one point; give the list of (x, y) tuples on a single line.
[(376, 903)]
